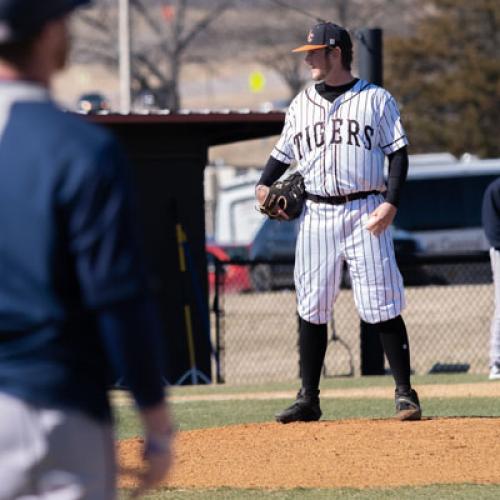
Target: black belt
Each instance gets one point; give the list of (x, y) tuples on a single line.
[(339, 200)]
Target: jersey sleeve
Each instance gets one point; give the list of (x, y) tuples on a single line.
[(102, 230), (103, 237), (392, 133), (283, 150), (132, 336)]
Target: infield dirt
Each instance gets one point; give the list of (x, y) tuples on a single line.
[(332, 454), (362, 453)]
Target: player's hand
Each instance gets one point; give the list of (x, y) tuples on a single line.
[(158, 440), (261, 193), (381, 218), (157, 463)]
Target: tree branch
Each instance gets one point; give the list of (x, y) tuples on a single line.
[(203, 24), (94, 23), (153, 24), (152, 68)]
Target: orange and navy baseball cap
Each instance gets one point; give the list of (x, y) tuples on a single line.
[(20, 19), (326, 35)]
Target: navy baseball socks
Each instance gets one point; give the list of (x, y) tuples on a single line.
[(313, 340), (394, 340)]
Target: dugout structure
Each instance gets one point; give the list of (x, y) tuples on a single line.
[(169, 153)]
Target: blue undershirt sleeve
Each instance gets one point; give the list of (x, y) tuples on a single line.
[(132, 335)]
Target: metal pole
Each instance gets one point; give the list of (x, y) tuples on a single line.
[(370, 55), (124, 50), (371, 69), (218, 313)]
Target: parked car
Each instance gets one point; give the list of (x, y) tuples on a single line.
[(441, 203), (275, 241), (235, 278), (92, 102)]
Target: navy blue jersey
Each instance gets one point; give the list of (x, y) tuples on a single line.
[(491, 213), (68, 257)]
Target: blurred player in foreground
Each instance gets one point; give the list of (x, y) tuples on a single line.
[(73, 295)]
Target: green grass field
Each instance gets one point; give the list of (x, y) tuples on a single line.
[(204, 414)]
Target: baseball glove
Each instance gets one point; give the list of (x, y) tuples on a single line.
[(288, 195)]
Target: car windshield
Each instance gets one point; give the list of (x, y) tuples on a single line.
[(446, 203)]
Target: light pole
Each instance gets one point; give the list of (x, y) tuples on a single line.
[(124, 54)]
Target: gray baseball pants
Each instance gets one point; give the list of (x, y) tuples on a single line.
[(54, 454), (495, 322)]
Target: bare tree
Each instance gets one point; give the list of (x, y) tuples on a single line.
[(167, 33), (213, 33), (291, 70), (275, 26)]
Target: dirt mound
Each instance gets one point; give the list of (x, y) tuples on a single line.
[(331, 454)]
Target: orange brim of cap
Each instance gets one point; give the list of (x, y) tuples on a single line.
[(306, 48)]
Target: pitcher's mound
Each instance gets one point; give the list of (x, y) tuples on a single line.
[(330, 454)]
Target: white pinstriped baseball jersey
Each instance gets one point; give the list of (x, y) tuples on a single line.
[(340, 149)]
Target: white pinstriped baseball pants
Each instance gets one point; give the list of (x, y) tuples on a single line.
[(332, 234), (53, 454)]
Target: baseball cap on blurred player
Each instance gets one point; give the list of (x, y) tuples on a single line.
[(20, 19), (325, 35)]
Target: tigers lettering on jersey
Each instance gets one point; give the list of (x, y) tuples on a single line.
[(340, 146), (342, 131)]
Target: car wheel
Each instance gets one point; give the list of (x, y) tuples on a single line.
[(261, 278)]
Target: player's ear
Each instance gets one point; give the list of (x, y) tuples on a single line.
[(332, 52)]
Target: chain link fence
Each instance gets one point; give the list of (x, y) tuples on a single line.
[(450, 301)]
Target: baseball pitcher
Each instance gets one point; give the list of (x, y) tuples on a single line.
[(339, 132)]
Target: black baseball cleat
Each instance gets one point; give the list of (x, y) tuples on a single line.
[(304, 409), (408, 406)]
